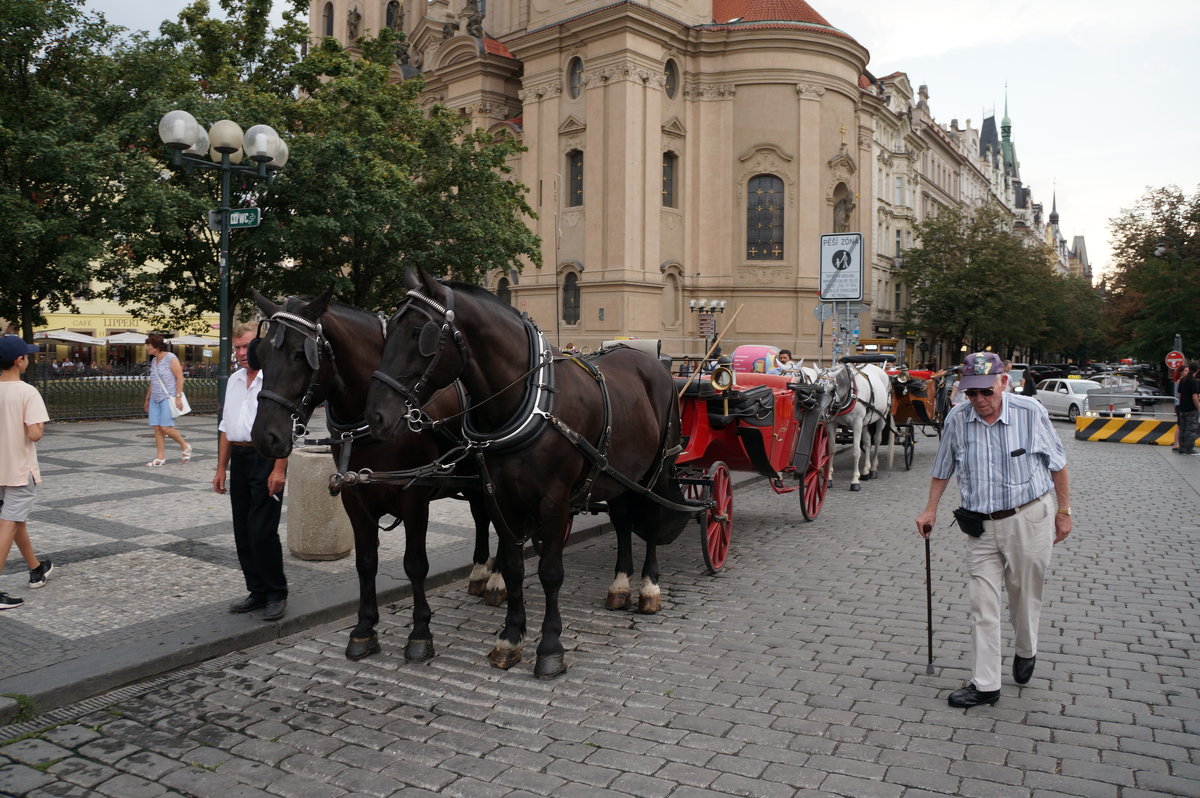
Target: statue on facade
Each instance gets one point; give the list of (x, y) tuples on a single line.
[(353, 22), (395, 15), (475, 25), (841, 214), (448, 28), (402, 56)]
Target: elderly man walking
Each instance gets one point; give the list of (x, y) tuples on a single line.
[(1009, 461)]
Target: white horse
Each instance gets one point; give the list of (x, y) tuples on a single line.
[(862, 398)]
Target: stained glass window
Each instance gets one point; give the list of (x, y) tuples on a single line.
[(764, 218), (669, 163), (570, 299), (574, 178)]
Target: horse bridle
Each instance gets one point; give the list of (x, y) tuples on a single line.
[(430, 344), (315, 343)]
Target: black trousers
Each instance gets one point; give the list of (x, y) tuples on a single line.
[(256, 523)]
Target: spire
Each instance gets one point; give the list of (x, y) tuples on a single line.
[(1006, 123), (1054, 209)]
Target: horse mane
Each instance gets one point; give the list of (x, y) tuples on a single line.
[(478, 292)]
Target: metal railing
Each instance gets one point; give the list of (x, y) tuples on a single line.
[(95, 394)]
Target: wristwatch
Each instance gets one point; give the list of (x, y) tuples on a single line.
[(1065, 510)]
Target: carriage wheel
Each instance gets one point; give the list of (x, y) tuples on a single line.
[(910, 444), (816, 475), (716, 525)]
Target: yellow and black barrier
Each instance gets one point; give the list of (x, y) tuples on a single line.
[(1125, 430)]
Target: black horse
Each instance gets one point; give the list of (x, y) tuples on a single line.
[(317, 351), (533, 420)]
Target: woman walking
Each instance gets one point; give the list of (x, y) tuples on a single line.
[(166, 386)]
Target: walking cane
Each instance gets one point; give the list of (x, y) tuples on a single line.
[(929, 670)]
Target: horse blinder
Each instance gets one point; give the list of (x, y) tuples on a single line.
[(429, 340), (312, 353)]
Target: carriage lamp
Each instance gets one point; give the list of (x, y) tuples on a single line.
[(721, 378), (223, 147)]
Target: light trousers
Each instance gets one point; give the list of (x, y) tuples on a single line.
[(1013, 552)]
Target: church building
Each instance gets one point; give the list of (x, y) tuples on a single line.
[(677, 150)]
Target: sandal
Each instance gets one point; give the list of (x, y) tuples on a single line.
[(186, 455), (156, 462)]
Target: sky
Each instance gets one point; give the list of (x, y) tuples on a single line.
[(1100, 92)]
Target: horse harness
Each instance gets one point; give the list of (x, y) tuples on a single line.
[(316, 345), (534, 414)]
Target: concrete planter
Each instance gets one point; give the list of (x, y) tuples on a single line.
[(317, 527)]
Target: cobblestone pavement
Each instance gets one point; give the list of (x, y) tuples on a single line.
[(145, 566), (799, 670)]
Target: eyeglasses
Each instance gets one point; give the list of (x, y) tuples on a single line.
[(973, 392)]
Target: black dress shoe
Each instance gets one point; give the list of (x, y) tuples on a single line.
[(248, 604), (275, 609), (969, 697), (1023, 668)]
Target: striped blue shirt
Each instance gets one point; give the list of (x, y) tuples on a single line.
[(990, 478)]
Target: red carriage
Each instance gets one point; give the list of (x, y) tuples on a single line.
[(749, 421)]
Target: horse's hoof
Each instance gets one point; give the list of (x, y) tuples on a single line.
[(494, 598), (504, 658), (549, 666), (856, 487), (360, 647), (649, 605), (874, 475), (617, 601), (475, 587), (418, 650)]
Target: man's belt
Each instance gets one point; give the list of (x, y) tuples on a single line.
[(248, 443), (999, 514)]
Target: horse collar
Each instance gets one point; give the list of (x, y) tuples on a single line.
[(536, 404)]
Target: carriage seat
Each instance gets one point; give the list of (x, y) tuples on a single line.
[(754, 406), (700, 388)]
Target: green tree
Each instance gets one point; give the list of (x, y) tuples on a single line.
[(373, 183), (1153, 297), (66, 164), (973, 281)]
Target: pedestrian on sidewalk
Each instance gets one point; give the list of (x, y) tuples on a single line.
[(23, 419), (255, 488), (1189, 409), (1009, 460), (166, 387)]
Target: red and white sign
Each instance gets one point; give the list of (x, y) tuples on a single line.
[(1174, 360)]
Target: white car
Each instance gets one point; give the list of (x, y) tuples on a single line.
[(1066, 397)]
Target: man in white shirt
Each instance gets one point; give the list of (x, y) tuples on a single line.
[(255, 489)]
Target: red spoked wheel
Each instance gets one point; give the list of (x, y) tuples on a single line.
[(716, 524), (816, 475)]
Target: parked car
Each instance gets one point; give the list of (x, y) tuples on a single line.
[(1062, 397), (1016, 375)]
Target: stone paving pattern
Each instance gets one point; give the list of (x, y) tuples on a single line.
[(137, 550), (799, 670)]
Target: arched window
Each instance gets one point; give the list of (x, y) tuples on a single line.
[(571, 298), (670, 299), (670, 162), (671, 73), (574, 178), (327, 20), (575, 77), (764, 218), (503, 291), (393, 15)]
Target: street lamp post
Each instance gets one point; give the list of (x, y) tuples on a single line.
[(708, 309), (225, 145)]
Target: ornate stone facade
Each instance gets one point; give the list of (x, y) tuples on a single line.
[(655, 121)]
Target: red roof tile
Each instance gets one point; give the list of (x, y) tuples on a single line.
[(766, 10), (496, 48)]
